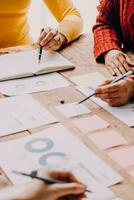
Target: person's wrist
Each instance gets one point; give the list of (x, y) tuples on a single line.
[(63, 39), (110, 52)]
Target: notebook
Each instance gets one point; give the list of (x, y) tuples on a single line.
[(25, 64)]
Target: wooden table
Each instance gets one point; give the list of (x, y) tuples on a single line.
[(80, 53)]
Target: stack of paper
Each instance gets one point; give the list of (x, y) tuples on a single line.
[(21, 113), (33, 84), (55, 148)]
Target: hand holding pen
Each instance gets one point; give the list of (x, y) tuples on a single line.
[(51, 39), (117, 94), (56, 185), (102, 90)]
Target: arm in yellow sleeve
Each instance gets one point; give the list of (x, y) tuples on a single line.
[(70, 21)]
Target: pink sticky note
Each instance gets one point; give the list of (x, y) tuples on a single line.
[(124, 157), (91, 123), (107, 139)]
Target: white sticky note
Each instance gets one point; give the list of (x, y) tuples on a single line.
[(91, 79), (72, 109), (91, 123), (107, 139), (124, 157)]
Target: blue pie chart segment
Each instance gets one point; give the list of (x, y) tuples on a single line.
[(53, 158), (39, 145)]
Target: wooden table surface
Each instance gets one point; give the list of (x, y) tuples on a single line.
[(80, 53)]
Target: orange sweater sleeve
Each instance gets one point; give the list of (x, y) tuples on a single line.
[(106, 30)]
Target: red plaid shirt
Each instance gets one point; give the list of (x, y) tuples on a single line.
[(114, 27)]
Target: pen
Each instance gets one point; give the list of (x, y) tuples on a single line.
[(33, 175), (114, 81), (40, 48), (3, 53)]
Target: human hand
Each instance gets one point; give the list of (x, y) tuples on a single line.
[(116, 94), (132, 77), (36, 190), (117, 62), (51, 39)]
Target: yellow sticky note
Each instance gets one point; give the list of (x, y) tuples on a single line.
[(124, 157), (91, 79), (91, 123), (107, 139)]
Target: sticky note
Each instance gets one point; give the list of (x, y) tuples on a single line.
[(107, 139), (91, 123), (72, 109), (91, 79), (124, 157)]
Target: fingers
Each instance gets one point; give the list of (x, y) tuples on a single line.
[(118, 62), (106, 82), (107, 88), (111, 67), (124, 65), (116, 94), (61, 190), (63, 176), (132, 77), (49, 37), (131, 63), (54, 44), (44, 34), (113, 102), (116, 70), (111, 95)]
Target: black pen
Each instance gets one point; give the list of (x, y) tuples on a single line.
[(40, 48), (114, 81), (34, 175)]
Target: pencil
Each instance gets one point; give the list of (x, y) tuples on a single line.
[(40, 48), (114, 81), (33, 175)]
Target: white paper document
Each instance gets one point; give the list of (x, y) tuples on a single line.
[(90, 79), (24, 64), (123, 113), (33, 84), (72, 109), (21, 113), (56, 147)]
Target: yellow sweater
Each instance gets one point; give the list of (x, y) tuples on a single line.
[(14, 29)]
